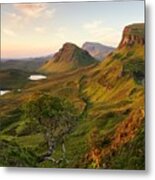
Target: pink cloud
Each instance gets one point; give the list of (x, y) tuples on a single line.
[(30, 9)]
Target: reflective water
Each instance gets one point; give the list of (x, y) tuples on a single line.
[(2, 92), (37, 77)]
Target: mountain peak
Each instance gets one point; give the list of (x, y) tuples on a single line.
[(94, 43), (71, 52), (133, 34), (97, 50), (69, 45), (69, 57)]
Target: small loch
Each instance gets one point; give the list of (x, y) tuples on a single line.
[(37, 77)]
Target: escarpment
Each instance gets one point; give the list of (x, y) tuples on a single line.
[(133, 34)]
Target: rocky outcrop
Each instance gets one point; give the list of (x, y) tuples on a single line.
[(133, 34)]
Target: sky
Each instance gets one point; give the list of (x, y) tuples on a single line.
[(31, 30)]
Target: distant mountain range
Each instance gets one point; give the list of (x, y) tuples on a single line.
[(97, 50), (26, 58), (25, 64), (69, 57)]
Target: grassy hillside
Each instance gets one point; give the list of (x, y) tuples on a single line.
[(91, 117)]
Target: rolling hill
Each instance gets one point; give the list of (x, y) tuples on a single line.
[(69, 57)]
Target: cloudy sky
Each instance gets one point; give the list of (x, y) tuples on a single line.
[(41, 29)]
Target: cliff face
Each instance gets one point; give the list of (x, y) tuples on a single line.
[(133, 34)]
